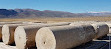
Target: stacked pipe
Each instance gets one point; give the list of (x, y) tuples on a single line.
[(8, 31), (25, 35), (102, 29), (52, 35), (82, 22), (1, 32), (109, 24), (63, 37), (3, 23)]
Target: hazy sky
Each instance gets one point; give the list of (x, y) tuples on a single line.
[(75, 6)]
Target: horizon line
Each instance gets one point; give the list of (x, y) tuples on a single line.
[(59, 10)]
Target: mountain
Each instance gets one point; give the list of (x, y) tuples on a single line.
[(4, 13), (31, 13), (99, 13)]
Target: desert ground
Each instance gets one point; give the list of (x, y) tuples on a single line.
[(60, 19), (103, 43)]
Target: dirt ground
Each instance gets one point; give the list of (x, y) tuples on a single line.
[(60, 19)]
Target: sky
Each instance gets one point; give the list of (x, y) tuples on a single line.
[(74, 6)]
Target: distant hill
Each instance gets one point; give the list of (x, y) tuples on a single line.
[(31, 13)]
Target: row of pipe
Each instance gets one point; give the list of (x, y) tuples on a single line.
[(64, 35)]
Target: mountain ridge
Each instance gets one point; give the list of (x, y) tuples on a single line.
[(31, 13)]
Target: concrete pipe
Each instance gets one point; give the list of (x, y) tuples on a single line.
[(59, 23), (8, 33), (1, 32), (102, 29), (76, 24), (83, 22), (64, 37), (2, 23), (25, 35), (109, 24), (109, 28)]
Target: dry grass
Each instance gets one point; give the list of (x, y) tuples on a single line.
[(61, 19)]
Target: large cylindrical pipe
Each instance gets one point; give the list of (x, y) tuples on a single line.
[(2, 23), (83, 22), (102, 29), (109, 24), (64, 37), (1, 32), (25, 35), (8, 33)]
